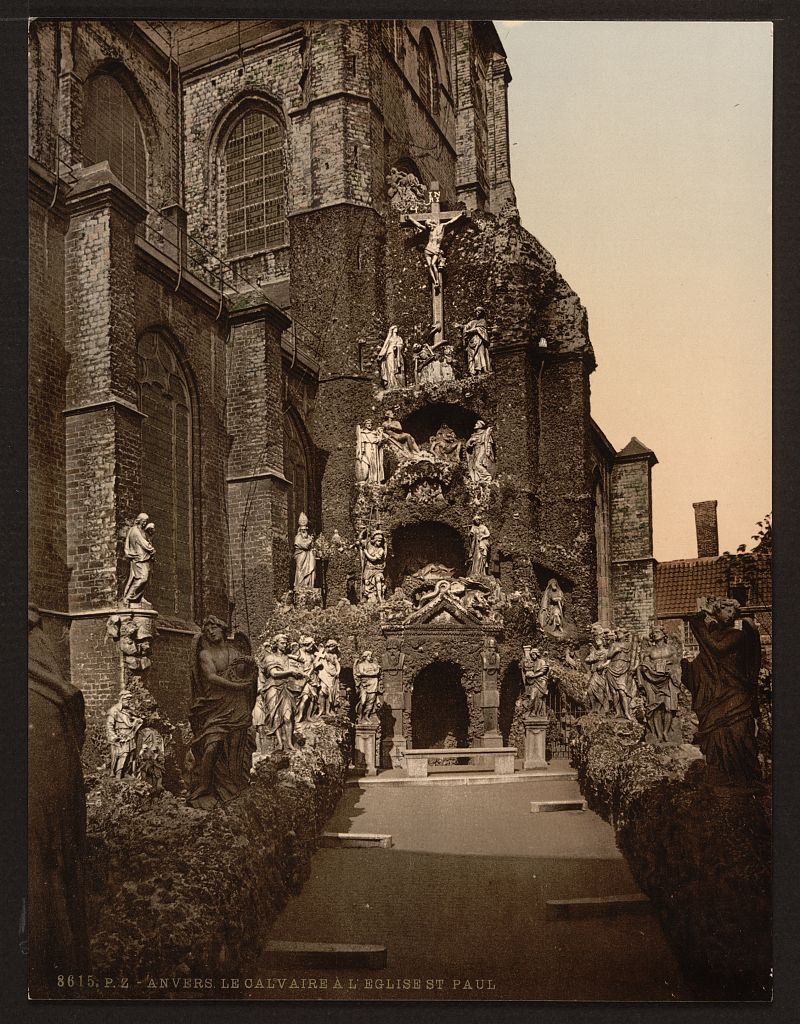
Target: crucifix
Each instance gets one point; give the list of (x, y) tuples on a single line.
[(435, 223)]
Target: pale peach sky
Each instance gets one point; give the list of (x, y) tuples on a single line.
[(641, 156)]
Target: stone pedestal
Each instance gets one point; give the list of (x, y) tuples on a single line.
[(365, 755), (535, 740), (492, 739)]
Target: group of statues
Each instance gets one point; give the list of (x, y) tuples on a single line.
[(626, 673), (445, 447), (433, 361), (297, 681)]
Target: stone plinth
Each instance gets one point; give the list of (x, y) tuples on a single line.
[(535, 741), (365, 755)]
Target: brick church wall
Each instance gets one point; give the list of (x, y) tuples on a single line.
[(48, 572)]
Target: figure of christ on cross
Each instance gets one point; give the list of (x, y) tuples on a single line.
[(435, 223)]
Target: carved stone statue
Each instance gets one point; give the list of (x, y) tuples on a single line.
[(150, 757), (596, 661), (445, 446), (280, 683), (370, 443), (57, 936), (490, 663), (121, 728), (569, 659), (134, 633), (402, 443), (223, 675), (476, 343), (308, 703), (480, 452), (723, 681), (367, 677), (536, 677), (434, 247), (305, 559), (619, 678), (405, 191), (551, 609), (392, 361), (658, 675), (479, 547), (373, 566), (140, 553), (328, 669)]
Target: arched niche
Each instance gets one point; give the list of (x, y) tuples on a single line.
[(419, 544), (425, 421)]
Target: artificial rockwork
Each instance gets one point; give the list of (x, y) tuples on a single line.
[(701, 853), (183, 893)]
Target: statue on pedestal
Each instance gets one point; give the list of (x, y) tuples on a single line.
[(373, 566), (490, 663), (481, 456), (305, 558), (280, 682), (223, 675), (536, 677), (723, 682), (476, 343), (551, 609), (370, 442), (328, 669), (122, 726), (479, 547), (392, 361), (140, 553), (367, 677), (658, 675)]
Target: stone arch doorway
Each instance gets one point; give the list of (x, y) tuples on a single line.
[(439, 711)]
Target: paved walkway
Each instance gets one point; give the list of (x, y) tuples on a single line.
[(460, 898)]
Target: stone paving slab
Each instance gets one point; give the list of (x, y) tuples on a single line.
[(538, 806), (365, 840), (599, 906)]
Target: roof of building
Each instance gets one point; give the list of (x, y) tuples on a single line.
[(634, 449), (679, 583)]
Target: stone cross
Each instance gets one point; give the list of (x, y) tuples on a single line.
[(435, 222)]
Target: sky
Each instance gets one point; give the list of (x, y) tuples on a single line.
[(641, 158)]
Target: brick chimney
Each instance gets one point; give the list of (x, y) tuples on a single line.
[(705, 521)]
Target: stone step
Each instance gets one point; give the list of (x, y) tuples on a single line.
[(324, 955), (598, 906), (355, 839), (459, 777), (557, 805)]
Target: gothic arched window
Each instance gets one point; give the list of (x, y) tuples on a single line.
[(297, 470), (392, 33), (255, 187), (167, 491), (112, 131), (428, 76), (601, 536)]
